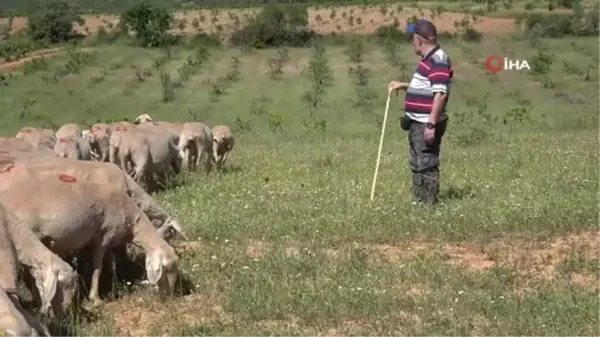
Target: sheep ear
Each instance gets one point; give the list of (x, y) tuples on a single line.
[(49, 286), (154, 268), (156, 223), (175, 225)]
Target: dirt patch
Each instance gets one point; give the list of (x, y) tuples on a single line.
[(138, 316), (256, 249), (585, 281), (188, 247), (401, 252), (468, 256), (539, 259), (44, 53), (326, 21)]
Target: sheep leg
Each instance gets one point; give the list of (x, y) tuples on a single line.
[(183, 150), (110, 258), (104, 152), (112, 156), (161, 177), (199, 152), (139, 173), (208, 164), (225, 156), (223, 159), (123, 162), (191, 158), (98, 256), (176, 164), (215, 153), (140, 162)]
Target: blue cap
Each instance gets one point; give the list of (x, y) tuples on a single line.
[(422, 27)]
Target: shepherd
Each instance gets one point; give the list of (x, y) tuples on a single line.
[(425, 116)]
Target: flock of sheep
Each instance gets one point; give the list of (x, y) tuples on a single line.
[(69, 193)]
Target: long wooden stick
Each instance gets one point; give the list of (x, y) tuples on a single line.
[(387, 107)]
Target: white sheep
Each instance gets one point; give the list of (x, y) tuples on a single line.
[(223, 143), (67, 130), (55, 280), (73, 214), (13, 318), (195, 140), (149, 151), (74, 147), (15, 168)]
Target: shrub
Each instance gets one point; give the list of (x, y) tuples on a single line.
[(568, 3), (391, 32), (14, 49), (557, 25), (553, 25), (204, 39), (53, 21), (276, 26), (149, 23)]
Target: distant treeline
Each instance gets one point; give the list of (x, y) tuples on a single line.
[(20, 7)]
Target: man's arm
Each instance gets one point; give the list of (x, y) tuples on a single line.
[(439, 77), (439, 102)]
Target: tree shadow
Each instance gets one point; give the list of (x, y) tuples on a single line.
[(228, 169), (129, 269), (458, 193)]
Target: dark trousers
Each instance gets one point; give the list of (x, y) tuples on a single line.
[(425, 162)]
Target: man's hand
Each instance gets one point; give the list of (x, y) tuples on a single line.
[(396, 85), (429, 135)]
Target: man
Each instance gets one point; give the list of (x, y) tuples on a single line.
[(425, 106)]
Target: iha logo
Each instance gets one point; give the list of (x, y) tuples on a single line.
[(496, 63)]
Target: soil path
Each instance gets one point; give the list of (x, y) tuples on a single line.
[(14, 65)]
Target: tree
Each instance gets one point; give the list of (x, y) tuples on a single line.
[(150, 24), (53, 21)]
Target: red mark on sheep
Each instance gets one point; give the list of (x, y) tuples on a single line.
[(67, 178), (62, 140), (7, 167), (121, 128)]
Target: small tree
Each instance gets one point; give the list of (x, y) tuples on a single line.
[(53, 21), (276, 26), (150, 24)]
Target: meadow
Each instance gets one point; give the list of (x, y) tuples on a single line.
[(286, 240)]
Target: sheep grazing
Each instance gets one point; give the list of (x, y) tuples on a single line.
[(55, 280), (223, 143), (68, 130), (100, 215), (74, 147), (55, 202), (98, 137), (148, 151), (14, 170), (21, 149), (195, 141), (14, 320), (143, 118), (37, 138)]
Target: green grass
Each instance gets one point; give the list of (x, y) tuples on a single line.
[(289, 242)]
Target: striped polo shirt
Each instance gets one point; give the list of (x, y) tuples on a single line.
[(434, 74)]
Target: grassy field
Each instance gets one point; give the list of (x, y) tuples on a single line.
[(287, 242)]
